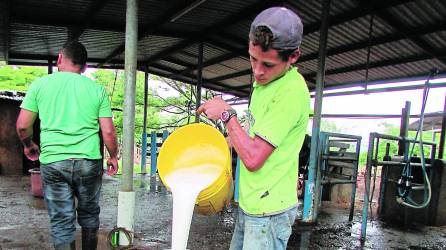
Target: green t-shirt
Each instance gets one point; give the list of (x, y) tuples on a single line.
[(68, 105), (278, 113)]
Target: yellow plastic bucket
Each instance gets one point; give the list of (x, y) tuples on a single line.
[(197, 144)]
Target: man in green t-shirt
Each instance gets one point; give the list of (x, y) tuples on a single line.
[(278, 117), (71, 109)]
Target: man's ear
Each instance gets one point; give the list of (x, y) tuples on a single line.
[(294, 56), (59, 58)]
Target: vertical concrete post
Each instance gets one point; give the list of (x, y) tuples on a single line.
[(126, 198)]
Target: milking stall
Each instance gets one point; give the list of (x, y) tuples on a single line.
[(394, 198)]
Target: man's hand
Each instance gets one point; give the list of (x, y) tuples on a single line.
[(213, 108), (112, 166), (32, 152)]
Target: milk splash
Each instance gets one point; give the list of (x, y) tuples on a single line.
[(186, 184)]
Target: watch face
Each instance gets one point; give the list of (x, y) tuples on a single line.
[(224, 116)]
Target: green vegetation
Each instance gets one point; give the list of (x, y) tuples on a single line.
[(19, 78), (162, 113)]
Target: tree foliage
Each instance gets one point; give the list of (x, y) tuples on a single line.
[(19, 77), (163, 112)]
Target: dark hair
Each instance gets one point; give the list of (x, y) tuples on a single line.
[(263, 37), (76, 52)]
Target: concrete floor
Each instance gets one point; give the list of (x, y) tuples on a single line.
[(24, 223)]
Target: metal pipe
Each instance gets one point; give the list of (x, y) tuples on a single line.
[(337, 182), (199, 79), (237, 180), (131, 43), (343, 136), (153, 152), (443, 132), (311, 192), (398, 138), (365, 206), (355, 178), (144, 128), (399, 163), (345, 158)]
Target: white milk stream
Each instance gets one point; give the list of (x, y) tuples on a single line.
[(185, 185)]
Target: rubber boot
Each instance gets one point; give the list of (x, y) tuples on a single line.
[(71, 246), (89, 238)]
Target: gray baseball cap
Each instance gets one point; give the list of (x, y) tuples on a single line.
[(285, 25)]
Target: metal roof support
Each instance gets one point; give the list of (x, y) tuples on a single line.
[(417, 32), (443, 132), (148, 29), (242, 15), (7, 15), (199, 79), (339, 19), (400, 27), (50, 66), (312, 185), (128, 139), (144, 126), (186, 10), (90, 15), (378, 64)]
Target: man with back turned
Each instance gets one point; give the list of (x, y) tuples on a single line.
[(71, 108)]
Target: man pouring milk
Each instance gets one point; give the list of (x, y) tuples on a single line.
[(278, 117)]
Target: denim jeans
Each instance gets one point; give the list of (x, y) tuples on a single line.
[(63, 181), (262, 233)]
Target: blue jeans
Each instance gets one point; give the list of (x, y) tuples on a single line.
[(62, 182), (263, 233)]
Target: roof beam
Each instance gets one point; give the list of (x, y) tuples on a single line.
[(232, 75), (192, 80), (7, 15), (378, 41), (148, 29), (95, 7), (45, 58), (406, 31), (200, 36), (192, 77), (355, 13), (378, 64), (335, 20)]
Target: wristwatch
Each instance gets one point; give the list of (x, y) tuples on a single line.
[(227, 114)]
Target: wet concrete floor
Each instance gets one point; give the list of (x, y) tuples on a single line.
[(24, 223)]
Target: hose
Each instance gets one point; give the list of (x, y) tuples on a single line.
[(113, 243), (405, 182)]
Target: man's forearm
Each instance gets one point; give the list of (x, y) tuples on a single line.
[(25, 136), (111, 144)]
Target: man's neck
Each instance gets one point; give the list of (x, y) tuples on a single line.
[(75, 70)]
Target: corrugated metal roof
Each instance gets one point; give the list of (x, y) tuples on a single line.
[(407, 38)]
